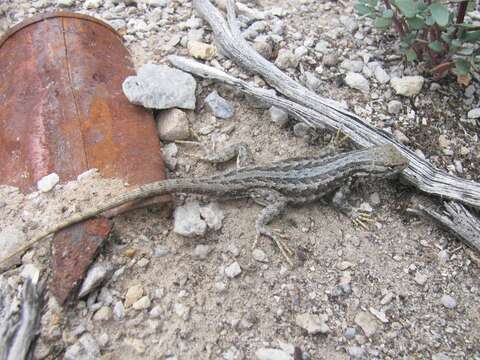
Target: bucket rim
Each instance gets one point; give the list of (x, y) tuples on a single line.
[(42, 17)]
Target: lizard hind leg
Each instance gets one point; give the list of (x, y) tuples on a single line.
[(275, 203), (340, 202)]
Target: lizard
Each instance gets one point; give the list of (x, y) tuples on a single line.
[(274, 186)]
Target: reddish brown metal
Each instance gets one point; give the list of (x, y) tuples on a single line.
[(62, 110)]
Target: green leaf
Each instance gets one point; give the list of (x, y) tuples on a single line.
[(407, 7), (387, 13), (429, 21), (411, 55), (383, 23), (373, 3), (436, 46), (472, 36), (465, 51), (440, 14), (415, 23), (362, 9), (462, 67)]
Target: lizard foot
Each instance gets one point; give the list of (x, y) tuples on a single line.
[(338, 141), (277, 238), (361, 217)]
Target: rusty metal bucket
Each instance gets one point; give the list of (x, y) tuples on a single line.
[(62, 110)]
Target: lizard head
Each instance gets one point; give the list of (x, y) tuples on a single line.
[(387, 161)]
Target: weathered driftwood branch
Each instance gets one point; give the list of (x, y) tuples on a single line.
[(18, 334), (319, 111), (457, 219)]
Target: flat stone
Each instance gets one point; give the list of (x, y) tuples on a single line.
[(95, 276), (219, 107), (233, 270), (407, 85), (200, 50), (134, 293), (272, 354), (314, 324), (172, 124), (366, 322), (381, 75), (259, 255), (187, 220), (357, 81), (161, 87), (47, 183)]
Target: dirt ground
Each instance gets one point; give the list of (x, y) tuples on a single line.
[(380, 291)]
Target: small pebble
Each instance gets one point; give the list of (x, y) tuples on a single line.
[(48, 182), (448, 301), (233, 270)]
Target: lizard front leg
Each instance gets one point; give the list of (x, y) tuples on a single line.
[(341, 203), (275, 203)]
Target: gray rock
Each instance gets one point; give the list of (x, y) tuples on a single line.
[(194, 23), (381, 75), (314, 324), (65, 3), (169, 152), (286, 59), (103, 314), (161, 87), (375, 199), (201, 50), (201, 252), (195, 35), (278, 27), (330, 59), (142, 303), (357, 81), (469, 91), (259, 255), (220, 107), (394, 107), (300, 52), (161, 251), (407, 85), (95, 276), (350, 332), (312, 81), (172, 124), (156, 312), (400, 136), (278, 116), (272, 354), (474, 113), (213, 215), (440, 356), (366, 322), (448, 301), (233, 270), (47, 183), (118, 311), (187, 220), (350, 23), (86, 348), (352, 65)]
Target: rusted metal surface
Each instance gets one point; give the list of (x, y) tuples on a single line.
[(62, 110), (73, 250)]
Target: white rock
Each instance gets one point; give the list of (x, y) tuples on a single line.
[(86, 348), (187, 220), (47, 183), (272, 354), (278, 116), (259, 255), (286, 59), (103, 314), (95, 276), (169, 152), (92, 4), (161, 87), (407, 85), (394, 107), (357, 81), (172, 124), (352, 65), (448, 301), (314, 324), (182, 311), (118, 311), (233, 270), (65, 3), (381, 75), (474, 113), (201, 252), (31, 272), (213, 215), (200, 50), (142, 303), (156, 312), (133, 294), (11, 239)]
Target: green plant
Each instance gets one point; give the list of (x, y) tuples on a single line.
[(430, 30)]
